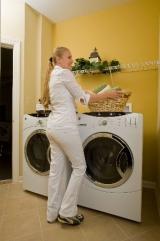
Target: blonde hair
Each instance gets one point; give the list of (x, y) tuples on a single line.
[(45, 96), (58, 52)]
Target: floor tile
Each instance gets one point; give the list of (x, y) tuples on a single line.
[(2, 205), (23, 218), (60, 232), (150, 217), (16, 190), (102, 228), (42, 201), (152, 235), (25, 204), (43, 218), (32, 237), (16, 226), (4, 189), (89, 213)]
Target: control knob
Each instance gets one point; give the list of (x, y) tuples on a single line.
[(104, 123)]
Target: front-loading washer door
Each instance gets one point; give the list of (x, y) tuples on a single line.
[(37, 152), (109, 159)]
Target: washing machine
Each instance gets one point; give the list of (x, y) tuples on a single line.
[(113, 144), (36, 160)]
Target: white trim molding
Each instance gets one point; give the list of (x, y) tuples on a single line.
[(15, 45), (158, 199), (154, 186), (149, 184)]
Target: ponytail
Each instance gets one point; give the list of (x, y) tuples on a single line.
[(45, 96)]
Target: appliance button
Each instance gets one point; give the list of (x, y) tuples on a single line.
[(40, 122), (104, 122)]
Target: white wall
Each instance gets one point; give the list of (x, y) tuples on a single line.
[(12, 27)]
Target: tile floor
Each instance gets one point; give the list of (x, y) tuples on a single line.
[(23, 218)]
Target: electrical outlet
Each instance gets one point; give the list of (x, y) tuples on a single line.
[(128, 107)]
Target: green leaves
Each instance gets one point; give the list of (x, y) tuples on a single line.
[(85, 66), (115, 65), (81, 64)]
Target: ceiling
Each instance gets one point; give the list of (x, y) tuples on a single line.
[(59, 10)]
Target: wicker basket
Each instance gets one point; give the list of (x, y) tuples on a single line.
[(110, 105)]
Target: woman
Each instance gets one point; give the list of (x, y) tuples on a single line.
[(62, 131)]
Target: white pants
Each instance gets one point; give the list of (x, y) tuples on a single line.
[(62, 195)]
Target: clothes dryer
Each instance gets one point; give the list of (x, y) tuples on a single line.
[(112, 145), (36, 161)]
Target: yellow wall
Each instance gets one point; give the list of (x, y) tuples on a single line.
[(46, 47), (128, 33), (32, 58), (38, 48)]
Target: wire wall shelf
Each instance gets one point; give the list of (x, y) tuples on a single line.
[(124, 68)]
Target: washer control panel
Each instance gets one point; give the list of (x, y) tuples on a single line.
[(127, 120)]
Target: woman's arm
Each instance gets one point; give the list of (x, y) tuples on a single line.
[(86, 97), (104, 96)]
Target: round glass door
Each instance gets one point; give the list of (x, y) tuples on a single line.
[(109, 160), (37, 152)]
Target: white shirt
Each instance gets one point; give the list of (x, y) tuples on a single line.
[(63, 90)]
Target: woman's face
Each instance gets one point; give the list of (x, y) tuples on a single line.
[(65, 61)]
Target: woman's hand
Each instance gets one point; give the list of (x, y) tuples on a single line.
[(89, 92), (114, 94)]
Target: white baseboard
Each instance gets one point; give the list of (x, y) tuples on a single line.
[(157, 192), (20, 179), (149, 184), (153, 185), (5, 181)]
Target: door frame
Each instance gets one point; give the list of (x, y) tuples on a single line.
[(15, 45)]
